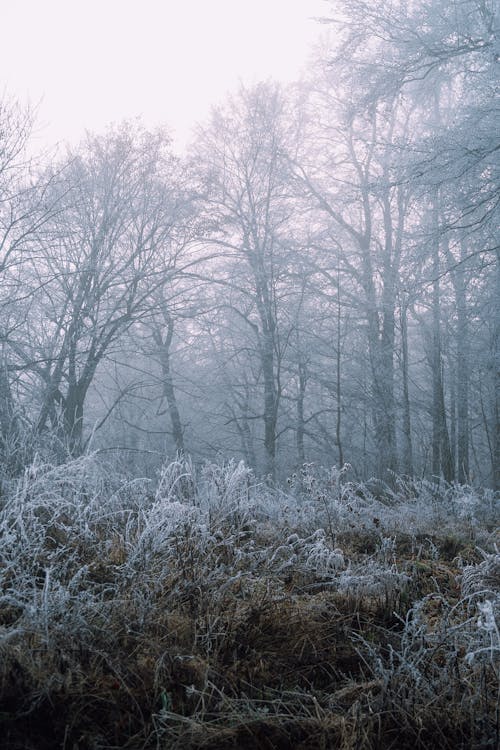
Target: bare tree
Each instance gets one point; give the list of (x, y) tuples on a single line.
[(95, 267), (347, 170), (26, 206), (244, 176), (427, 53)]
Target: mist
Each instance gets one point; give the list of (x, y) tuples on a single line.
[(252, 348)]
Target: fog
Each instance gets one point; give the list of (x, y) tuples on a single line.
[(88, 64), (250, 375), (307, 273)]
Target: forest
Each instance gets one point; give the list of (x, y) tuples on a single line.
[(250, 408), (316, 280)]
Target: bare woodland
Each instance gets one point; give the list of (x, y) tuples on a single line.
[(316, 281), (250, 408)]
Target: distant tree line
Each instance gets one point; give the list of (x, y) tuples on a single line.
[(317, 280)]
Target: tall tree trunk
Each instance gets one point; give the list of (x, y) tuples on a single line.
[(447, 464), (338, 427), (300, 430), (270, 406), (453, 409), (247, 442), (436, 353), (461, 381), (463, 357), (164, 345), (387, 345), (72, 417), (381, 350), (383, 406), (442, 459), (173, 409), (496, 381), (242, 422), (6, 404), (264, 303), (407, 463), (9, 427)]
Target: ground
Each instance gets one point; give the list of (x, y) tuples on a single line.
[(211, 611)]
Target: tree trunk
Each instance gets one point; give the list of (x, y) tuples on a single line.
[(170, 395), (442, 459), (496, 382), (301, 456), (407, 464), (381, 350), (72, 417), (168, 387), (453, 410), (247, 442), (461, 381), (267, 359), (338, 427), (9, 427), (270, 407)]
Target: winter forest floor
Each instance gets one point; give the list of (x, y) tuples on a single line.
[(210, 611)]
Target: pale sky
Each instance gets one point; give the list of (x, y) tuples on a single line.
[(93, 62)]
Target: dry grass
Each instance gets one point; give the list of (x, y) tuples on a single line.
[(210, 615)]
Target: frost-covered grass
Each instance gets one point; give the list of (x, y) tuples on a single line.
[(208, 610)]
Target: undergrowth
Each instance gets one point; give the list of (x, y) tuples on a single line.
[(207, 610)]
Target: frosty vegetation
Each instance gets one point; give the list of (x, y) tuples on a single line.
[(190, 343), (210, 610)]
